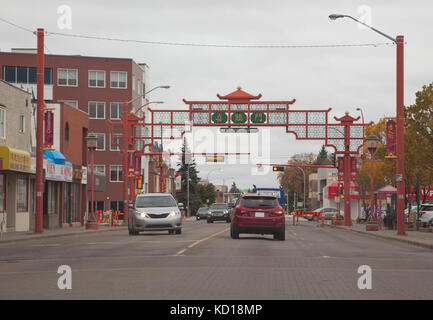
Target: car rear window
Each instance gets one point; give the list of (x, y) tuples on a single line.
[(259, 202), (219, 206)]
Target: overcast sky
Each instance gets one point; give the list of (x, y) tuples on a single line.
[(318, 78)]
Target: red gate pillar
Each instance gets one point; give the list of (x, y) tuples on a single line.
[(347, 122)]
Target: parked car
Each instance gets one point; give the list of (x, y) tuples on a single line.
[(202, 213), (258, 214), (327, 212), (218, 212), (154, 212), (426, 214)]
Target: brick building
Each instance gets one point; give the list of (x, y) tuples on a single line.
[(95, 85)]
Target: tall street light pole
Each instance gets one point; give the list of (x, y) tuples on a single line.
[(399, 41), (92, 142), (126, 145)]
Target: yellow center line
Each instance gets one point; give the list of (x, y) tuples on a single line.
[(201, 240)]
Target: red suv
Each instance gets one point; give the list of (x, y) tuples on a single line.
[(259, 214)]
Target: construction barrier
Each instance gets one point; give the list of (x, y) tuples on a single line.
[(323, 220)]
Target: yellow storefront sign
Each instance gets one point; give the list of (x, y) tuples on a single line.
[(14, 159)]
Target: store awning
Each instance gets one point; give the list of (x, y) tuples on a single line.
[(14, 159), (54, 156)]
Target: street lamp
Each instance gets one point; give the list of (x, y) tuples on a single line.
[(362, 116), (92, 142), (399, 41), (372, 143)]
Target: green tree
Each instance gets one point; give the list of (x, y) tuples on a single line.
[(187, 164), (207, 192)]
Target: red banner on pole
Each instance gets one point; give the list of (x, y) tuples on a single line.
[(353, 169), (49, 128), (137, 165), (340, 165), (390, 137), (353, 173)]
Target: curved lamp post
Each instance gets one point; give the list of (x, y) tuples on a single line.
[(92, 142), (399, 41), (372, 143)]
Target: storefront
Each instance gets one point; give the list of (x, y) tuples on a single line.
[(14, 189)]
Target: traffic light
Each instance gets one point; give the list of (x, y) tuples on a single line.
[(334, 159), (340, 188), (278, 168), (140, 182)]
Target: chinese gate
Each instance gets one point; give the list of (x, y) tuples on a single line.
[(241, 110)]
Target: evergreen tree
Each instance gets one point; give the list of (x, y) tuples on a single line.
[(322, 157), (207, 192), (234, 188), (187, 163)]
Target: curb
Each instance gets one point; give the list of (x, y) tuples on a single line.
[(43, 236), (409, 241)]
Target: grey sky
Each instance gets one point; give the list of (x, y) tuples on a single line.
[(319, 78)]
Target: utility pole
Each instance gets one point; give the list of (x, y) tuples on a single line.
[(39, 134), (187, 191)]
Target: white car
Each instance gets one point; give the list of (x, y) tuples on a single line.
[(426, 213)]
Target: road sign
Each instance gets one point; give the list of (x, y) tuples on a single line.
[(239, 130)]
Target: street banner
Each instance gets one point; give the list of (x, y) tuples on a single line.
[(353, 170), (178, 183), (137, 165), (49, 128), (390, 137), (340, 165)]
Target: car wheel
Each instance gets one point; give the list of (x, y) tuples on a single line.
[(234, 232), (179, 231)]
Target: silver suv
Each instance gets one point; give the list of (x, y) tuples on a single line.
[(154, 212)]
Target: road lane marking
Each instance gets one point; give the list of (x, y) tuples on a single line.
[(201, 240)]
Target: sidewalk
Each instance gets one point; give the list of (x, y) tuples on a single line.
[(51, 233), (418, 238)]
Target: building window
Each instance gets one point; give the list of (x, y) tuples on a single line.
[(25, 75), (99, 168), (116, 206), (118, 139), (101, 142), (96, 110), (2, 123), (133, 82), (22, 194), (118, 79), (72, 103), (116, 110), (2, 192), (21, 124), (67, 132), (97, 79), (51, 197), (116, 173), (67, 77)]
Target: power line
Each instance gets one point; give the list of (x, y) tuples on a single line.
[(219, 45), (209, 45)]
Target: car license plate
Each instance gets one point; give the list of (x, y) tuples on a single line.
[(260, 214)]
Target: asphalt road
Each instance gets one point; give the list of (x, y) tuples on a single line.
[(205, 263)]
